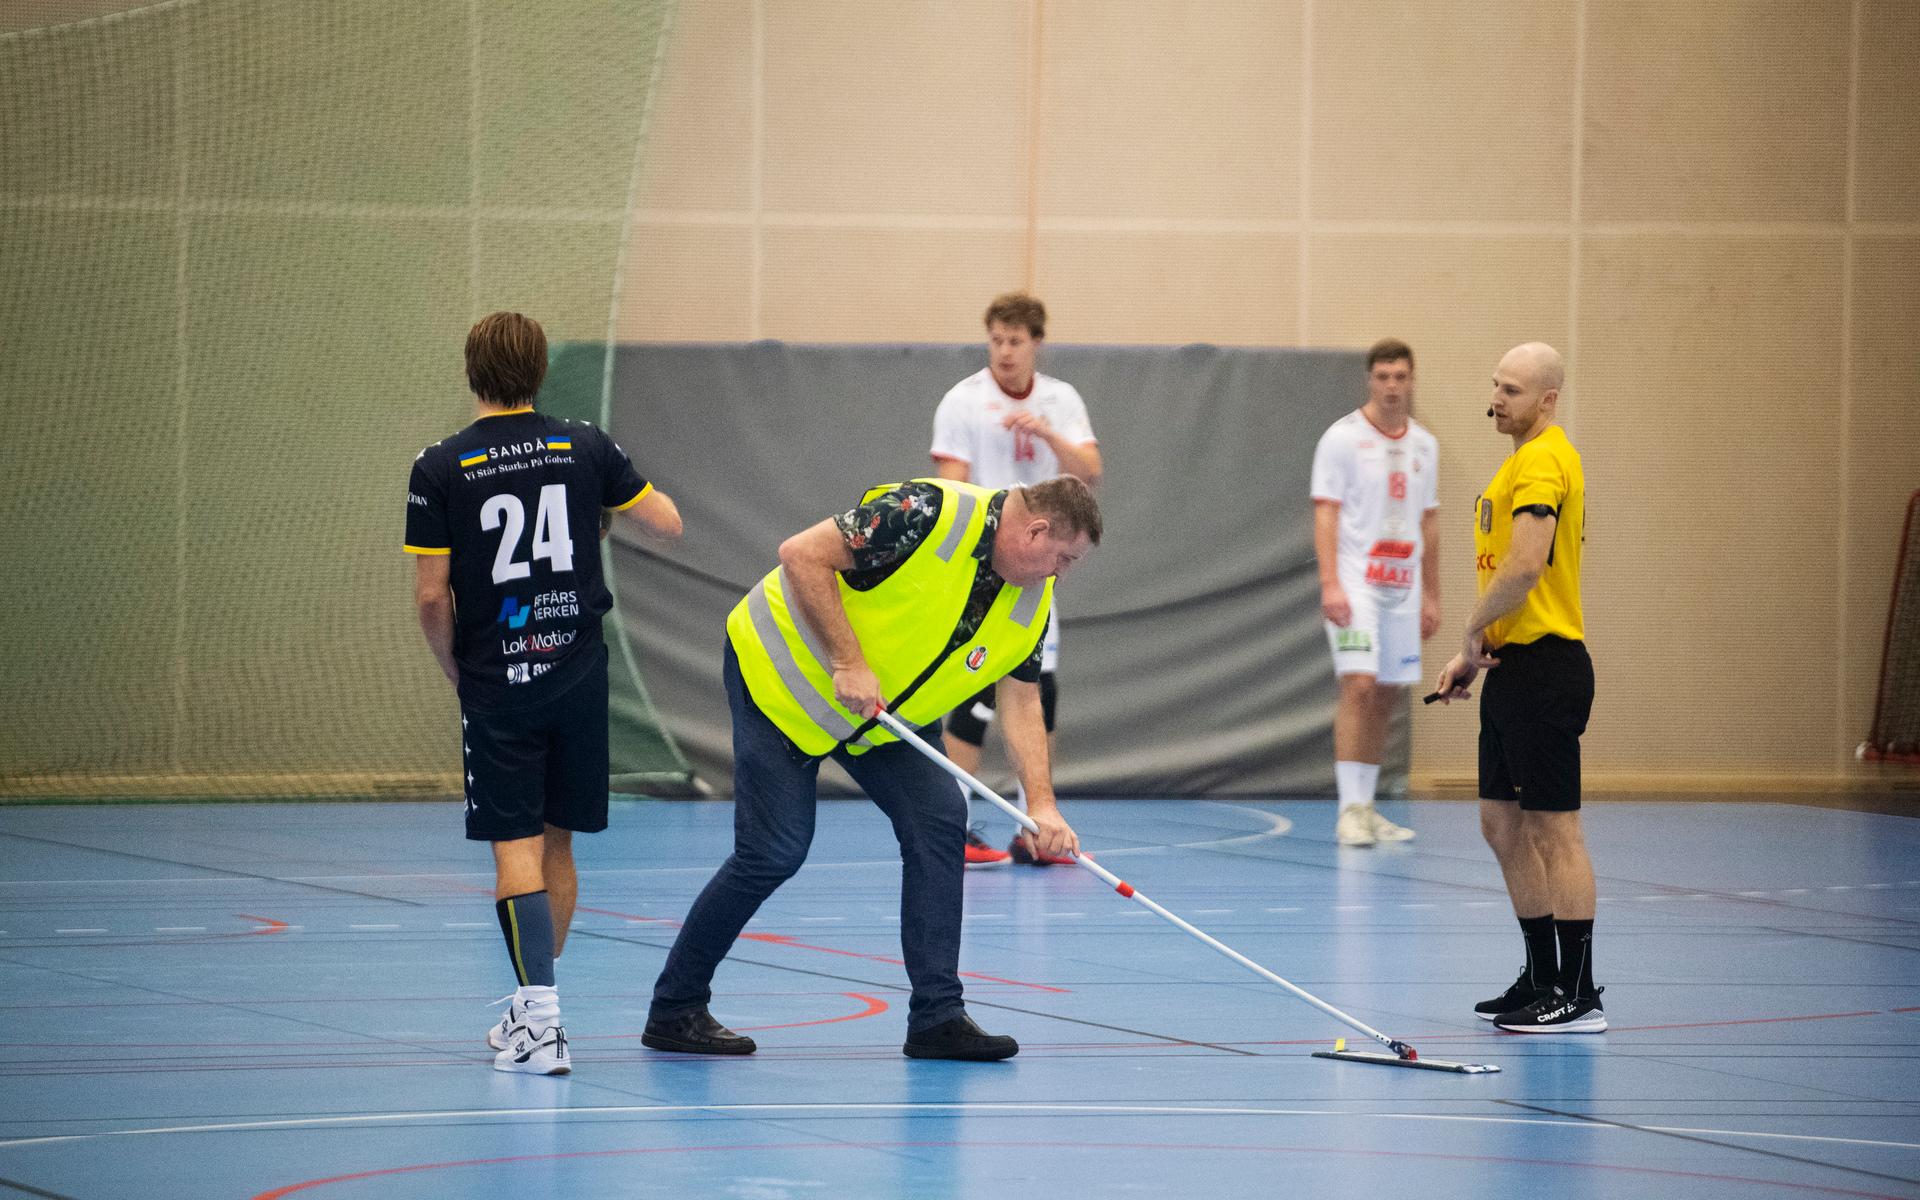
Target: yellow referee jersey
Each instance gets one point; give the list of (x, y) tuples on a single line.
[(1545, 471)]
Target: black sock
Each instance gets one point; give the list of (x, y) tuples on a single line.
[(1576, 957), (527, 924), (1542, 951)]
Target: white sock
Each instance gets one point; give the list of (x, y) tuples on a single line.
[(1356, 781), (966, 797), (1020, 800), (540, 1004)]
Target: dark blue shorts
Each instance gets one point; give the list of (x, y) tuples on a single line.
[(539, 766)]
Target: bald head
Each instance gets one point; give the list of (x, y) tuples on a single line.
[(1526, 390), (1540, 363)]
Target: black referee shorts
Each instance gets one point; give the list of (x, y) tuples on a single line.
[(1533, 709), (539, 766), (969, 722)]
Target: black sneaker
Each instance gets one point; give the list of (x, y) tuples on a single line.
[(960, 1038), (1557, 1012), (1515, 998)]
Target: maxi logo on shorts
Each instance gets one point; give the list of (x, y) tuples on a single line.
[(1353, 639)]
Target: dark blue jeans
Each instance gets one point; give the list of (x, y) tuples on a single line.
[(774, 793)]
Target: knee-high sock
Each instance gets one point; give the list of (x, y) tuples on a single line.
[(527, 924), (1576, 957), (1543, 958)]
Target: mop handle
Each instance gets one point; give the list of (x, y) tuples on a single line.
[(901, 730)]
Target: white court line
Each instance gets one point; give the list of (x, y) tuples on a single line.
[(1071, 1109), (373, 927), (469, 924), (1277, 826), (79, 931), (179, 928)]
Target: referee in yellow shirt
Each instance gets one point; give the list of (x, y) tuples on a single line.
[(1526, 633)]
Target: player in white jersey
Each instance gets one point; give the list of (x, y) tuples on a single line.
[(1375, 500), (1001, 427)]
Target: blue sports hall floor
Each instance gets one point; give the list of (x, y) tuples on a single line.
[(264, 1001)]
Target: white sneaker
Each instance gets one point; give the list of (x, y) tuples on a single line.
[(1385, 830), (1355, 827), (535, 1052), (516, 1013)]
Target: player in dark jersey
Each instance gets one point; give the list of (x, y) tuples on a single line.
[(504, 521)]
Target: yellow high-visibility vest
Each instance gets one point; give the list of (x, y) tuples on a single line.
[(905, 625)]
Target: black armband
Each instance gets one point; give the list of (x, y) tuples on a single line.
[(1538, 510)]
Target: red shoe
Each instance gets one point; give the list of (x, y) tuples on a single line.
[(979, 854), (1021, 851)]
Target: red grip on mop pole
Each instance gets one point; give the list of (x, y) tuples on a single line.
[(1125, 888)]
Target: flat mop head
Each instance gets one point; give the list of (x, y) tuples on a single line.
[(1394, 1060), (1408, 1057)]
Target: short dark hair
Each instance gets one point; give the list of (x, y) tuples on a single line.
[(1389, 350), (506, 359), (1067, 502), (1019, 309)]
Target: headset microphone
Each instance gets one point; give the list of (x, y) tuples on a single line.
[(1489, 412)]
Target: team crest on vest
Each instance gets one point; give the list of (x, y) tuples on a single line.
[(977, 658)]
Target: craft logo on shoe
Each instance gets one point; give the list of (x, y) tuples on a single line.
[(977, 658), (513, 612)]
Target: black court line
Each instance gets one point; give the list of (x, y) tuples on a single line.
[(29, 1190), (894, 987), (1707, 1141), (192, 866)]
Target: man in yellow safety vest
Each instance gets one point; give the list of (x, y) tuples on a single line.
[(914, 600)]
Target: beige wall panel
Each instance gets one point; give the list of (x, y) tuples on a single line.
[(1709, 422), (687, 283), (1887, 159), (700, 149), (1407, 126), (1460, 303), (1172, 111), (1230, 289), (890, 107), (1734, 110), (892, 285), (1883, 458)]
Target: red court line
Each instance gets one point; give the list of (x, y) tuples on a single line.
[(787, 940), (1872, 1012), (1814, 1189)]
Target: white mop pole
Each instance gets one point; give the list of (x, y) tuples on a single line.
[(906, 734)]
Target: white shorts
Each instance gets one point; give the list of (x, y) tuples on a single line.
[(1385, 645)]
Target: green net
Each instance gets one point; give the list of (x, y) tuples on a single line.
[(1896, 712), (243, 242)]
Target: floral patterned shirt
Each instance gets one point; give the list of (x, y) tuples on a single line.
[(883, 532)]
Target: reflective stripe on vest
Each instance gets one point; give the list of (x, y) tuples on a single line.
[(905, 624)]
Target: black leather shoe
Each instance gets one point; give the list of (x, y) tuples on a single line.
[(694, 1033), (960, 1038)]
